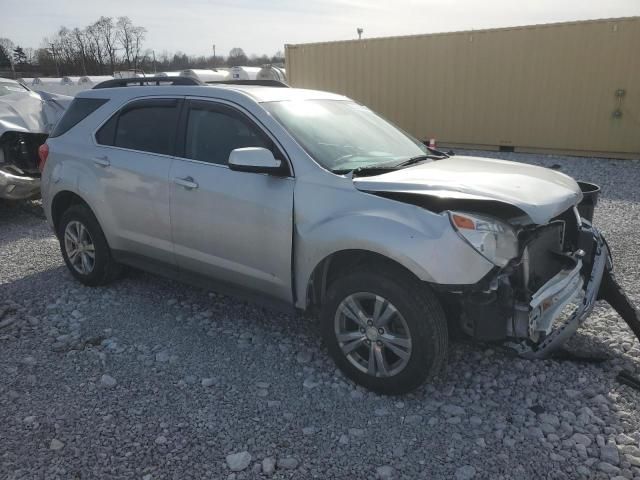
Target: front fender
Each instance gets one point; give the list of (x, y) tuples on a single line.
[(421, 241)]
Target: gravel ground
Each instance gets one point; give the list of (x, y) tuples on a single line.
[(152, 379)]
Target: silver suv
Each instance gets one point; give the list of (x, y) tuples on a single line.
[(308, 200)]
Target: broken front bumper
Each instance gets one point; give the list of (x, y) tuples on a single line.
[(544, 313), (16, 187)]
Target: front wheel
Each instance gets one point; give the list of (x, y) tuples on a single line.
[(386, 332)]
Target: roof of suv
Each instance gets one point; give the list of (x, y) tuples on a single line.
[(257, 93)]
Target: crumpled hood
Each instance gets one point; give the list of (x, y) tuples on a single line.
[(540, 192), (34, 112)]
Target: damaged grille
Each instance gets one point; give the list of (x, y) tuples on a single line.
[(542, 255)]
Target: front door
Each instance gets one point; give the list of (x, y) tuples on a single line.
[(234, 227)]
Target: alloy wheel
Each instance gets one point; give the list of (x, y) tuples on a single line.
[(373, 334), (79, 247)]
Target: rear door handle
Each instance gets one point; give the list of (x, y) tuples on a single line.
[(102, 161), (186, 182)]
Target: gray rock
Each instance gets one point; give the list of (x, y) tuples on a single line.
[(453, 410), (304, 356), (208, 382), (30, 361), (466, 472), (475, 421), (268, 466), (582, 439), (633, 460), (163, 356), (287, 463), (385, 472), (609, 454), (344, 440), (608, 468), (413, 419), (108, 381), (570, 393), (161, 440), (582, 470), (56, 444), (356, 395), (310, 383), (308, 430), (623, 439), (238, 461)]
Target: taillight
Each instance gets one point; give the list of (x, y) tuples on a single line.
[(43, 153)]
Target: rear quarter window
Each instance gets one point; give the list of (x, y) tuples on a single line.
[(79, 109)]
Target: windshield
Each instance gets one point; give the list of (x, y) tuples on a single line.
[(342, 135)]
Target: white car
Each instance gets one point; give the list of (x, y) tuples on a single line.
[(26, 118), (308, 200)]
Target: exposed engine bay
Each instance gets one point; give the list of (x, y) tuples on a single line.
[(551, 272), (537, 302), (26, 118)]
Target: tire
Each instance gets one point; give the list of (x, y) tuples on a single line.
[(103, 269), (419, 317)]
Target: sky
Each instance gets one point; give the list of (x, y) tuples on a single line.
[(265, 26)]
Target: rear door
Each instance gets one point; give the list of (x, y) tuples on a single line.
[(235, 227), (132, 159)]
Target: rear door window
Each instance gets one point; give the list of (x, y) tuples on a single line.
[(146, 125)]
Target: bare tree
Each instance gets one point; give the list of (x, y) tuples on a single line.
[(138, 34), (81, 42), (124, 29), (7, 46), (96, 46), (237, 57), (108, 37)]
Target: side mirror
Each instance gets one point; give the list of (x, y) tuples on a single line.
[(254, 159)]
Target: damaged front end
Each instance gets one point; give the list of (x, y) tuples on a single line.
[(537, 302), (26, 118), (19, 174)]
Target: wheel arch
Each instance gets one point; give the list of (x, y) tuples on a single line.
[(336, 263), (61, 202)]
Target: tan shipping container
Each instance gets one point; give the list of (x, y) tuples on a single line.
[(558, 88)]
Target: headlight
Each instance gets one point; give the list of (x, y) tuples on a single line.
[(491, 238)]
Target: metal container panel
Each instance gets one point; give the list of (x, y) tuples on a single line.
[(535, 88)]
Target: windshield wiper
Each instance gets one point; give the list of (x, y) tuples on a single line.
[(366, 168), (413, 161), (390, 166)]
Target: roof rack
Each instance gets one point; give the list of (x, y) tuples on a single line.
[(146, 81), (262, 83)]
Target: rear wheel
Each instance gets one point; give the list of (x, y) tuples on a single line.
[(84, 247), (386, 332)]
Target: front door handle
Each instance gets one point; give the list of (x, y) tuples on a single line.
[(186, 182), (102, 161)]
